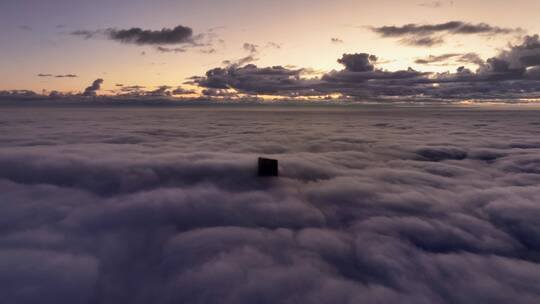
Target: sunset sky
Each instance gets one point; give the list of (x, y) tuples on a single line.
[(73, 38), (269, 151)]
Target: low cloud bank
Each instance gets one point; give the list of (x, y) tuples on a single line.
[(374, 205), (513, 74)]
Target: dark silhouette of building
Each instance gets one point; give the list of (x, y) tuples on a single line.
[(268, 167)]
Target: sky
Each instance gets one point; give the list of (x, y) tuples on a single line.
[(75, 38)]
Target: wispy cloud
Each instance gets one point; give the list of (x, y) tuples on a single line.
[(58, 76), (451, 57), (170, 50), (166, 36), (433, 34), (437, 4)]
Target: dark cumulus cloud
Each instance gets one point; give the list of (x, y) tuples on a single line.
[(518, 62), (358, 62), (252, 79), (523, 56), (93, 88), (373, 205), (433, 34)]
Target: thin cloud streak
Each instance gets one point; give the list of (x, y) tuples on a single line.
[(166, 36), (427, 35)]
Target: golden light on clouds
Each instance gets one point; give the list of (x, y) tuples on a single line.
[(286, 34)]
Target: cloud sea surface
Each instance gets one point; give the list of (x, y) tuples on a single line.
[(374, 205)]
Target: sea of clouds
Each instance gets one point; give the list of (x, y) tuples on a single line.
[(374, 205)]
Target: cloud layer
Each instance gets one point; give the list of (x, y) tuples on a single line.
[(374, 205)]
